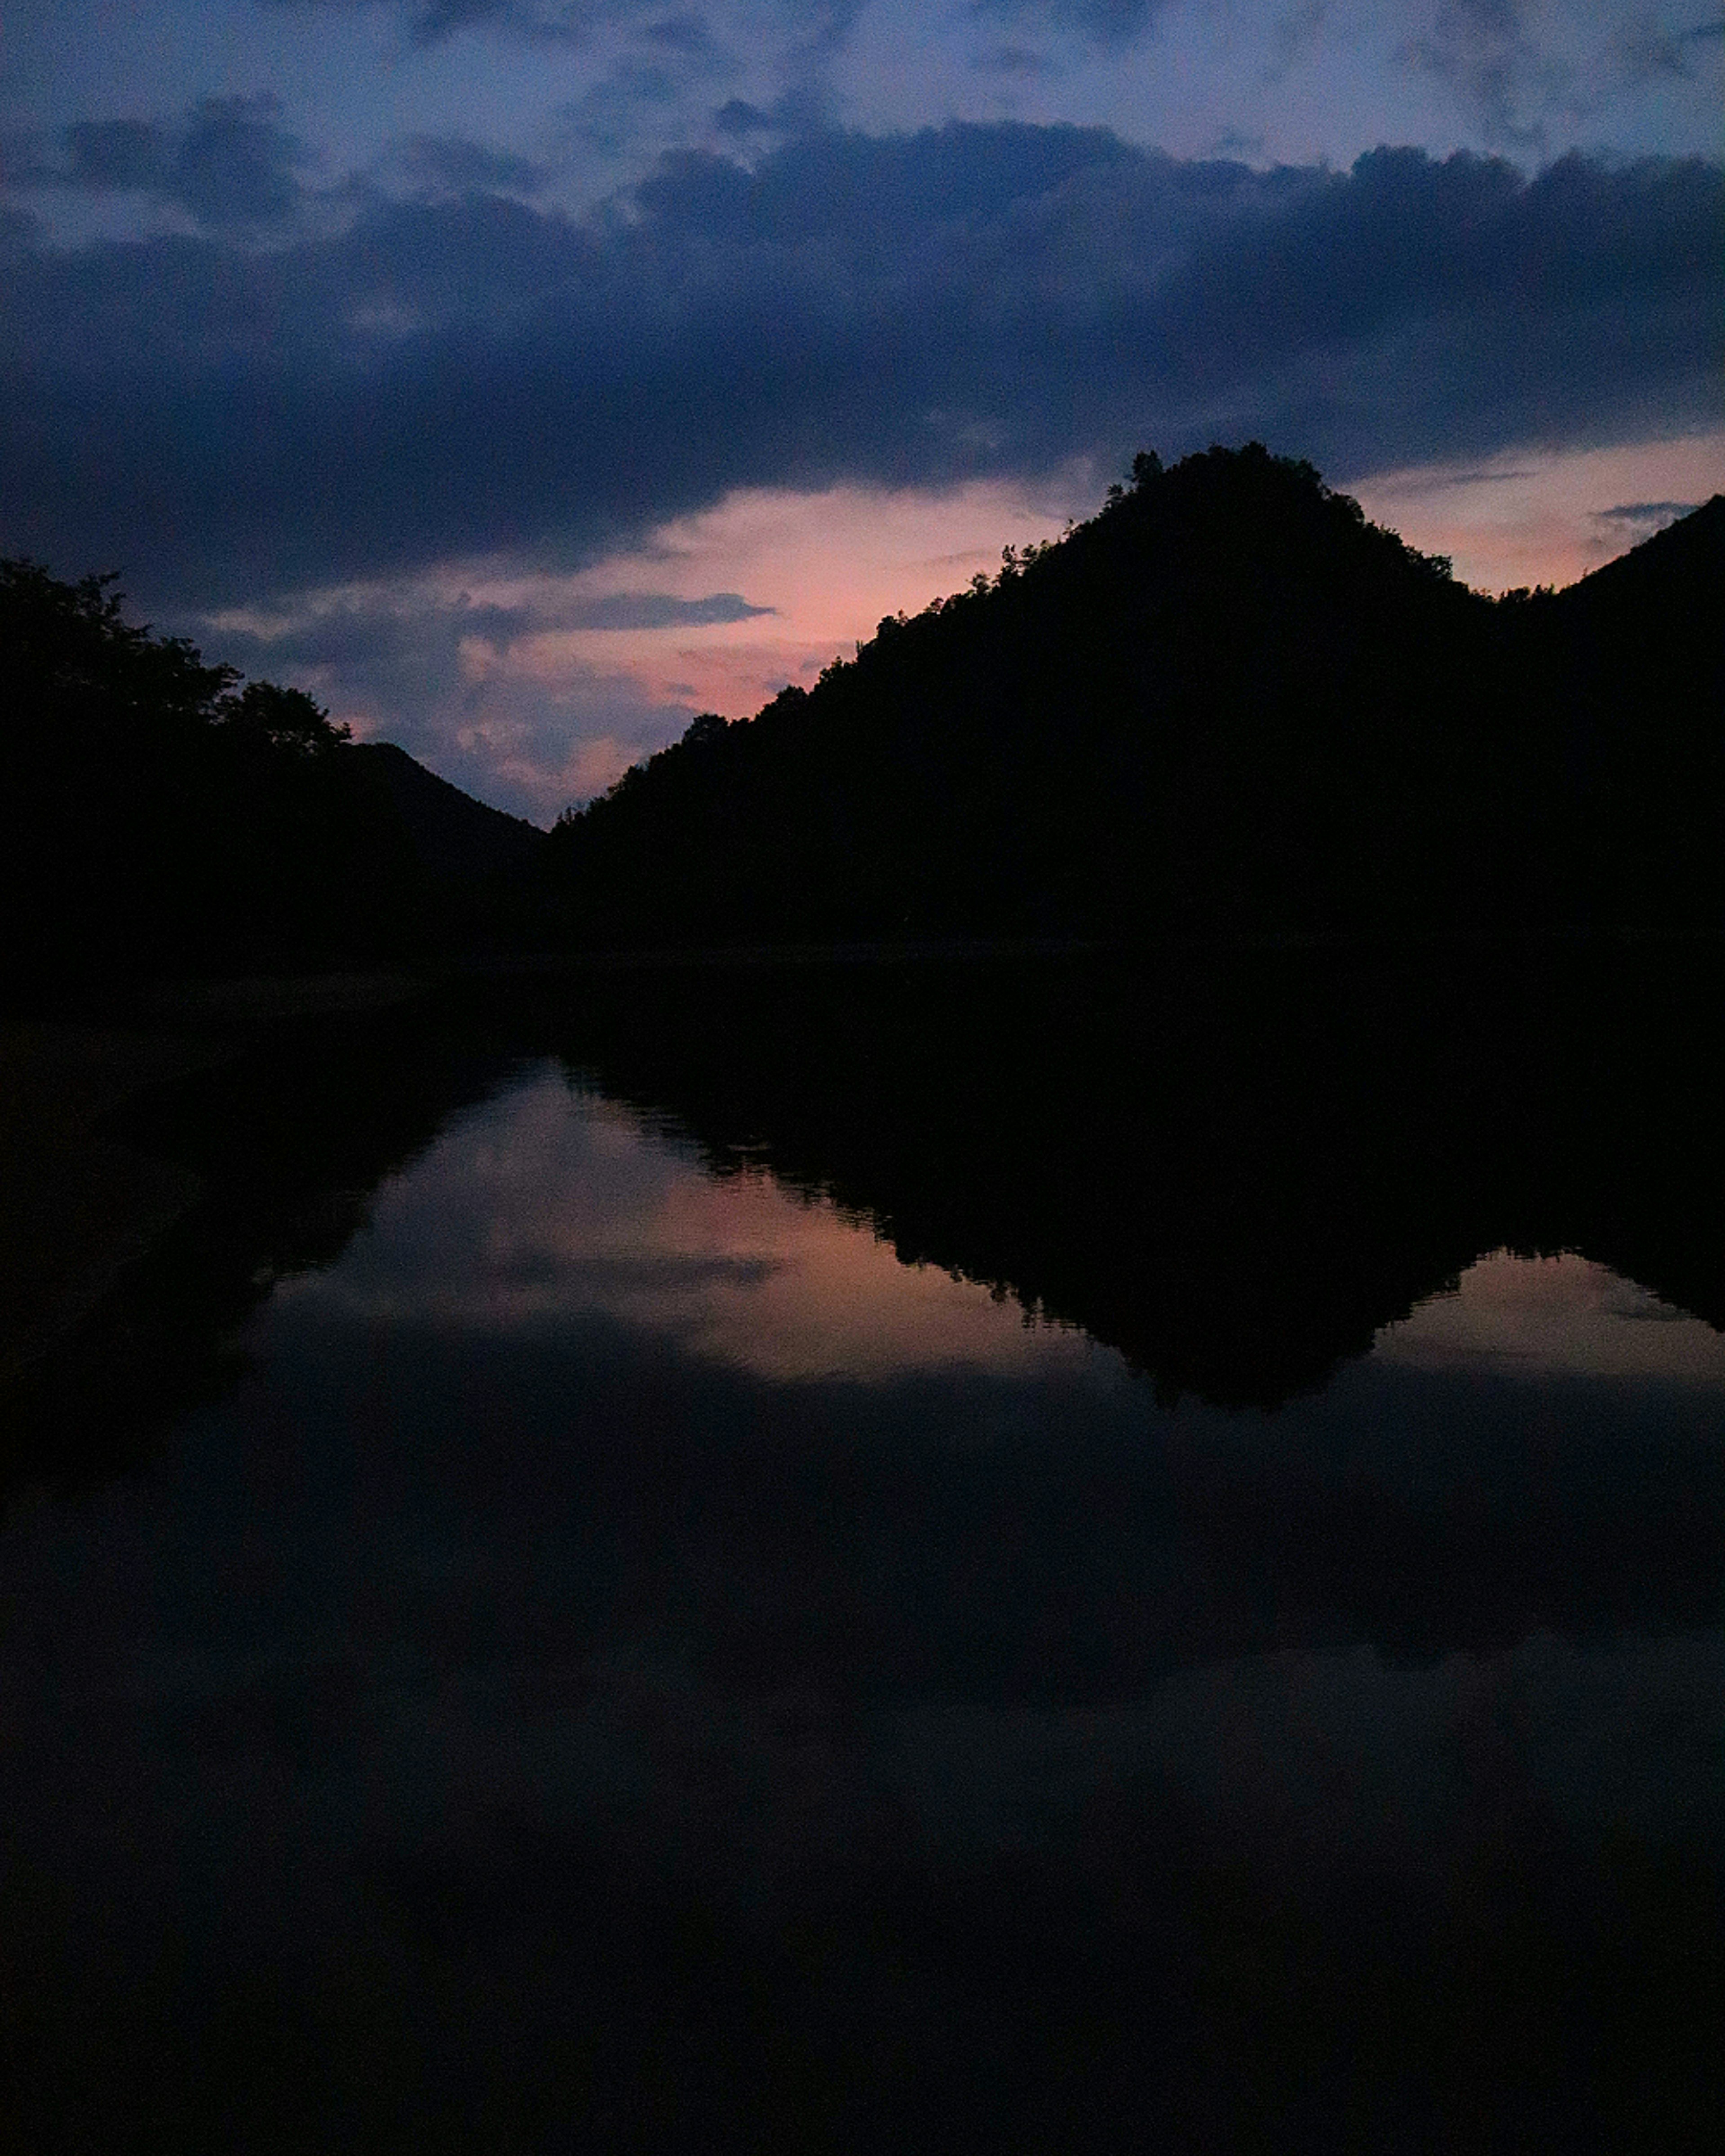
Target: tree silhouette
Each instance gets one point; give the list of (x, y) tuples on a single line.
[(154, 811), (1226, 705)]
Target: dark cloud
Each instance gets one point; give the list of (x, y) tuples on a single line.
[(228, 164), (1485, 475), (1519, 68), (1649, 49), (1294, 31), (1108, 22), (659, 610), (113, 154), (680, 33), (821, 22), (452, 379), (1016, 62), (431, 22), (1483, 49), (617, 112), (1653, 513), (738, 117), (448, 164)]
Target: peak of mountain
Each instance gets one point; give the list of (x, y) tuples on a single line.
[(1227, 704), (453, 838)]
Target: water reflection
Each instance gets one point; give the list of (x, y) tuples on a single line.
[(552, 1201), (1236, 1175), (1544, 1316), (647, 1648)]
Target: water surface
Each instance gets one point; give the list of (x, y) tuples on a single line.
[(658, 1639)]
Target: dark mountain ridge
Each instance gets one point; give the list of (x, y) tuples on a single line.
[(1227, 704), (157, 815), (454, 838)]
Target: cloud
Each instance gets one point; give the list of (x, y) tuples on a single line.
[(1015, 62), (500, 696), (1104, 22), (1652, 50), (613, 115), (470, 378), (816, 23), (104, 154), (738, 117), (1521, 67), (659, 610), (1483, 50), (449, 164), (1646, 516), (1442, 482), (432, 22), (489, 695), (228, 164)]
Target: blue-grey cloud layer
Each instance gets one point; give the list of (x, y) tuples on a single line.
[(450, 378), (229, 165)]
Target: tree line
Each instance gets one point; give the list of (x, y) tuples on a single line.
[(1226, 705), (158, 812)]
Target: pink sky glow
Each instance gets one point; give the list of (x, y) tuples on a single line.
[(830, 565), (553, 715)]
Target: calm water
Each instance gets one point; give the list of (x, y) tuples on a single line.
[(818, 1585)]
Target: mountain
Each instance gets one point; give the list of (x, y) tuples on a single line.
[(454, 839), (1227, 704), (157, 815), (1677, 569)]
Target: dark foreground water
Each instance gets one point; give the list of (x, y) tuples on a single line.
[(1048, 1559)]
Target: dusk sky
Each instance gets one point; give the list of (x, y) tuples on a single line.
[(524, 376)]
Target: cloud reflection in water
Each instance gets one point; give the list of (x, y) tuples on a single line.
[(550, 1202)]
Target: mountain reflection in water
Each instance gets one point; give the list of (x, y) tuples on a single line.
[(547, 1205), (1041, 1560)]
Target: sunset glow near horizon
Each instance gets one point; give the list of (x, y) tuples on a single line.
[(525, 378)]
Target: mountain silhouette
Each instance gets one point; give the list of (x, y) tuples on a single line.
[(1227, 704), (454, 839), (158, 814)]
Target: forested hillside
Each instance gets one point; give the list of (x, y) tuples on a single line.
[(158, 814), (1227, 704)]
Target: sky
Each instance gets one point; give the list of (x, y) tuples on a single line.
[(522, 377)]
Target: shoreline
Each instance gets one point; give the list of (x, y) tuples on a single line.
[(884, 952)]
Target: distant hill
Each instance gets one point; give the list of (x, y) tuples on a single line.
[(1227, 704), (453, 838), (1620, 681), (1678, 568), (157, 814)]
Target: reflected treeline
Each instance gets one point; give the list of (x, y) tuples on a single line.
[(290, 1142), (1233, 1170)]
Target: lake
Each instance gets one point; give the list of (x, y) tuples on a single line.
[(885, 1558)]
